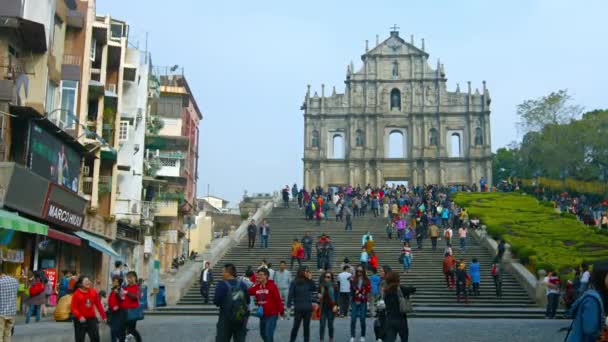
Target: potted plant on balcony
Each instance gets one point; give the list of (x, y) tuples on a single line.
[(154, 125)]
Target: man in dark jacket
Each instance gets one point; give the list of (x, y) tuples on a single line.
[(206, 279), (252, 230), (307, 244), (300, 298), (225, 330)]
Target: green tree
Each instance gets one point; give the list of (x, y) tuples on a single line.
[(555, 108)]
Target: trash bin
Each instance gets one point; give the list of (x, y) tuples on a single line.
[(143, 301), (160, 296)]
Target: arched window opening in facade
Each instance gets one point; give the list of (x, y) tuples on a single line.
[(455, 145), (315, 139), (433, 137), (395, 146), (395, 99), (478, 137), (359, 139), (338, 146)]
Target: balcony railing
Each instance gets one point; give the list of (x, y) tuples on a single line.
[(87, 185), (148, 210), (71, 59), (166, 208)]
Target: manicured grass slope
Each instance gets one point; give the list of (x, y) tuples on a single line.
[(540, 237)]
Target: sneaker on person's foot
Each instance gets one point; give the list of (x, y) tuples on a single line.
[(352, 339), (362, 339)]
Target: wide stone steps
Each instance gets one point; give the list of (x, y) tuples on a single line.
[(432, 299)]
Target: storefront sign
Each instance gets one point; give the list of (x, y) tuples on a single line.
[(11, 255), (51, 275), (148, 244), (62, 216)]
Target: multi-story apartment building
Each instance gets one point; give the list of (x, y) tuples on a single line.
[(41, 62), (171, 161)]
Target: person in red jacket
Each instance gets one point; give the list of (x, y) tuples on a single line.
[(84, 303), (132, 294), (360, 288), (267, 296), (117, 316)]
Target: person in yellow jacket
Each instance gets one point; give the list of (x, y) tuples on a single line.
[(297, 253)]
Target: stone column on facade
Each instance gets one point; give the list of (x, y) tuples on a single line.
[(366, 174), (379, 180), (306, 177), (351, 176), (322, 176), (415, 176)]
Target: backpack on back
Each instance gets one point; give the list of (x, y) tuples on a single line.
[(235, 304)]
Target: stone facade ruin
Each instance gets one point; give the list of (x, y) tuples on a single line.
[(396, 101)]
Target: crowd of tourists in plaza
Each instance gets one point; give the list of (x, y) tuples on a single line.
[(77, 301)]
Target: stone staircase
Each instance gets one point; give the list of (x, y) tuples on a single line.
[(432, 299)]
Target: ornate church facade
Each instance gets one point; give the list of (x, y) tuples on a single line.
[(396, 121)]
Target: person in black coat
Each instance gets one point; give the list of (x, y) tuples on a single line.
[(206, 280), (300, 298), (393, 322)]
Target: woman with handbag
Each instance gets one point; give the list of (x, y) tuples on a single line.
[(396, 307), (328, 301), (130, 304)]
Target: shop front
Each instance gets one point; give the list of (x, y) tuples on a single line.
[(59, 210)]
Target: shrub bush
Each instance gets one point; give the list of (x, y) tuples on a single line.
[(539, 236)]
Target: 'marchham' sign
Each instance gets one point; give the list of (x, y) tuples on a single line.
[(62, 216)]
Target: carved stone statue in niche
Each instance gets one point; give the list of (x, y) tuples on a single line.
[(395, 69), (429, 96), (417, 95)]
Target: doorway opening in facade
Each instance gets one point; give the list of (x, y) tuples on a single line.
[(455, 145), (396, 182), (395, 145), (338, 146)]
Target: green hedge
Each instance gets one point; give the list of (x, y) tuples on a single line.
[(539, 236)]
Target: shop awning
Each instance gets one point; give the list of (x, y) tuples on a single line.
[(69, 238), (9, 220), (98, 243)]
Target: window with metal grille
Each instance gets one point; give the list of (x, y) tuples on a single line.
[(123, 133), (168, 162)]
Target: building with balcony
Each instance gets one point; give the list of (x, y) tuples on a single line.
[(172, 161), (41, 66)]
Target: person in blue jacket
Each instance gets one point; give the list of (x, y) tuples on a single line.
[(474, 271), (588, 312)]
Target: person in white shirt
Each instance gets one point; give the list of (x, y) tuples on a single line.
[(344, 281), (462, 233), (206, 280)]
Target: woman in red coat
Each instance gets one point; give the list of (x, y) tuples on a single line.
[(84, 303), (131, 301)]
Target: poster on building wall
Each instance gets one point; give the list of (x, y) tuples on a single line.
[(51, 158), (148, 244), (172, 236), (12, 255), (51, 275)]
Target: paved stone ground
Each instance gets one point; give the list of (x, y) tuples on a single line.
[(421, 329)]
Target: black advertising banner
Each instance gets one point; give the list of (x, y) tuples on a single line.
[(52, 159), (63, 216)]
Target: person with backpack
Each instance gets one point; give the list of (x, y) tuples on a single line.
[(300, 298), (434, 235), (36, 299), (349, 217), (447, 236), (374, 281), (461, 282), (307, 244), (390, 229), (449, 269), (462, 233), (394, 320), (360, 288), (206, 280), (269, 302), (64, 284), (282, 280), (328, 302), (496, 272), (589, 310), (232, 297)]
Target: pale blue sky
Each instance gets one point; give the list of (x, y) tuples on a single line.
[(248, 63)]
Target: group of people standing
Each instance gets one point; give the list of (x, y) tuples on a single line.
[(257, 295)]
